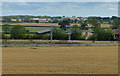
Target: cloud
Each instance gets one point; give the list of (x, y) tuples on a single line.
[(112, 9), (60, 8), (13, 0), (22, 3)]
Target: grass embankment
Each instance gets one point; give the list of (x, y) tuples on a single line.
[(51, 42), (57, 43)]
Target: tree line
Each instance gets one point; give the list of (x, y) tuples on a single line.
[(28, 19), (61, 33)]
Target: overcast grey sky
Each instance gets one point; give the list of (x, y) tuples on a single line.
[(61, 8)]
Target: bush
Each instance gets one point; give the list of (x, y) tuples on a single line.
[(92, 37), (103, 34), (18, 32), (30, 36), (76, 33), (46, 37), (37, 37), (5, 36), (6, 28), (83, 37), (59, 34)]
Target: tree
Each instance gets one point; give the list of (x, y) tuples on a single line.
[(27, 19), (76, 33), (92, 37), (75, 26), (6, 19), (75, 20), (114, 17), (6, 28), (116, 23), (84, 26), (99, 34), (59, 34), (109, 34), (55, 21), (46, 37), (36, 21), (18, 32), (103, 35), (95, 24), (63, 23)]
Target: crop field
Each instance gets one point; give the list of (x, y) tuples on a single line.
[(32, 29), (60, 60), (33, 24), (49, 24)]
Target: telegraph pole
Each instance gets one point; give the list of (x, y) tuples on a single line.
[(51, 32), (69, 31)]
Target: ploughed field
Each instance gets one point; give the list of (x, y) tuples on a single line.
[(60, 60)]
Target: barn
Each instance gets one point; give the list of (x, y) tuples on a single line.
[(42, 32)]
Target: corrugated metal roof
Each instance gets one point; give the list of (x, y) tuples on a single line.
[(43, 31)]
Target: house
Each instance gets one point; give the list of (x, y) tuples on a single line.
[(42, 20), (35, 19), (86, 32), (84, 18)]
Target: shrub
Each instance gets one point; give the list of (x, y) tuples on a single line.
[(37, 37), (46, 37), (83, 37), (91, 37), (6, 28), (59, 34), (76, 33), (18, 32), (104, 35), (5, 36)]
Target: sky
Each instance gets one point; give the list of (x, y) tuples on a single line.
[(60, 0), (69, 9)]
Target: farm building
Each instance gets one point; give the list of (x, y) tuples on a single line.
[(42, 32), (41, 19)]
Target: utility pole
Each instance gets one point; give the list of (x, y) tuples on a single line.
[(51, 32), (69, 33), (68, 28)]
